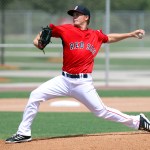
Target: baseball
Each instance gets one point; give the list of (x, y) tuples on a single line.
[(140, 35)]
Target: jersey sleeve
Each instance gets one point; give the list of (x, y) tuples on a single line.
[(102, 36), (56, 30)]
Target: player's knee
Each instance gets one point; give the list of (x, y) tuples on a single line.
[(35, 94), (100, 112), (38, 95)]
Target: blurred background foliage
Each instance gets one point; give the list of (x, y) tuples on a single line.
[(53, 6)]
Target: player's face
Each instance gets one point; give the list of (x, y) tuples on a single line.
[(79, 19)]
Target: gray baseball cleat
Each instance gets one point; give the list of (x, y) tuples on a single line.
[(17, 138), (144, 123)]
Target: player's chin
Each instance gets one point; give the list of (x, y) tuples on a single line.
[(76, 23)]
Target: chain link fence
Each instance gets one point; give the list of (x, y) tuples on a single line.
[(28, 23), (129, 59)]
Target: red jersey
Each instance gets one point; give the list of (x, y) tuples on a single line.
[(79, 47)]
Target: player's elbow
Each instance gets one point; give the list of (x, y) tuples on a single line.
[(111, 39)]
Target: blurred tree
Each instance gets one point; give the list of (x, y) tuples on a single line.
[(50, 5), (53, 6), (130, 5)]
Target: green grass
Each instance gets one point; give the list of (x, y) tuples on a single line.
[(60, 124), (128, 61), (119, 63), (34, 49), (14, 94), (26, 80), (130, 43), (26, 59), (124, 93), (102, 93), (33, 79), (124, 64), (40, 68)]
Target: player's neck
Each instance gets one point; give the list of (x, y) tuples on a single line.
[(82, 26)]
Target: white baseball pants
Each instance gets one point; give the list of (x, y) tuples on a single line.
[(81, 89)]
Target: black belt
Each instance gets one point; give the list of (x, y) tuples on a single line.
[(75, 75)]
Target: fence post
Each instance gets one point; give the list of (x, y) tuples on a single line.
[(2, 31), (107, 45)]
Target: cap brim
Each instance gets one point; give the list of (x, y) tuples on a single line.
[(70, 12)]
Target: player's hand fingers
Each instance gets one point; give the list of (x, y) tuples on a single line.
[(139, 33)]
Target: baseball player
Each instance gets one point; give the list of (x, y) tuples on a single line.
[(80, 46)]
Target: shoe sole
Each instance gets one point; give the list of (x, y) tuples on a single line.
[(21, 141)]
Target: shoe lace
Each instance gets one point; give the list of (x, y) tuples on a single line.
[(15, 136)]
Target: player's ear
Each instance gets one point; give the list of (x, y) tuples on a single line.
[(87, 18)]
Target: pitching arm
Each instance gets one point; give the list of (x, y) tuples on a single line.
[(115, 37)]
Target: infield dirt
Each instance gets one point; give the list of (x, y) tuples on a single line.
[(108, 141)]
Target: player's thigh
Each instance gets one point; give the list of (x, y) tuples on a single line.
[(52, 88), (87, 95)]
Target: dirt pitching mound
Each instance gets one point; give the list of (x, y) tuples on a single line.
[(110, 141), (107, 141)]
